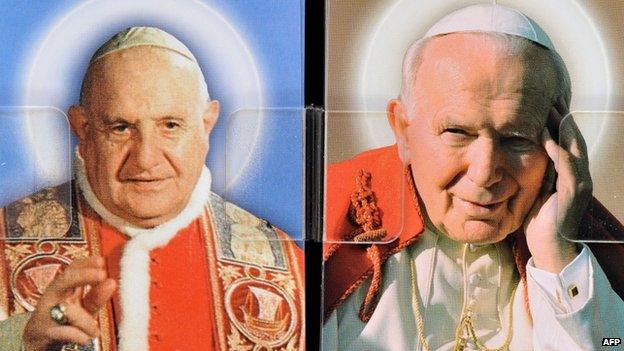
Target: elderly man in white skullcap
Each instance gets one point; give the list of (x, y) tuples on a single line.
[(480, 262), (145, 256)]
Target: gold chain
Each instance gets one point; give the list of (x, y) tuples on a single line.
[(465, 322)]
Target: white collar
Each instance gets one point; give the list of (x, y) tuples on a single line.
[(134, 282), (199, 198)]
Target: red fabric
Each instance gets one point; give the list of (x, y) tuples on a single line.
[(194, 304), (180, 303), (347, 265)]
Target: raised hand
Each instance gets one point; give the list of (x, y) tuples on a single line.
[(566, 193), (78, 309)]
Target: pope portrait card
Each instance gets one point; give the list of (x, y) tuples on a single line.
[(152, 175), (472, 190)]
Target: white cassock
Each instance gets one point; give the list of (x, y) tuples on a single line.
[(573, 310)]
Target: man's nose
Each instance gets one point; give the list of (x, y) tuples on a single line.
[(145, 150), (485, 163)]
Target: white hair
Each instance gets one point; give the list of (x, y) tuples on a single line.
[(514, 46)]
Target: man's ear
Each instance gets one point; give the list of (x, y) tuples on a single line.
[(397, 118), (78, 122), (211, 114)]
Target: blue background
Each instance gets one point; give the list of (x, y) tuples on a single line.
[(271, 188)]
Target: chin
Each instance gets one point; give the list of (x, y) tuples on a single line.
[(478, 232), (149, 216), (146, 219)]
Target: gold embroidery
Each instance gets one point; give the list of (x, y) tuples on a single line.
[(45, 218), (286, 281), (254, 272), (238, 215), (268, 315), (270, 322), (41, 276), (32, 275), (228, 273), (16, 252), (208, 233), (260, 303), (76, 252), (250, 245), (290, 247), (237, 342), (291, 345)]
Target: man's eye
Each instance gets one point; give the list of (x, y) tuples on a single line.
[(456, 131), (171, 125), (120, 128), (455, 136)]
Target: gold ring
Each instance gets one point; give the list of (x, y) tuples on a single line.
[(58, 314)]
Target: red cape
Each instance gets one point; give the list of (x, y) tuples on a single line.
[(347, 265)]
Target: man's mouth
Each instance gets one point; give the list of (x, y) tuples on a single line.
[(142, 179), (480, 210), (143, 183)]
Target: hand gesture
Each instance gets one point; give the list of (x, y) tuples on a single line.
[(564, 198), (65, 300)]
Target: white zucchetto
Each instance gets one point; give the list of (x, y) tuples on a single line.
[(147, 36), (491, 18), (142, 36)]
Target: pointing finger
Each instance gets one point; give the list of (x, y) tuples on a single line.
[(73, 278), (92, 262)]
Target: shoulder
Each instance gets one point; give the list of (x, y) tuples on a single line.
[(40, 235), (378, 160), (236, 215), (46, 213), (258, 262), (383, 173), (368, 198), (248, 237)]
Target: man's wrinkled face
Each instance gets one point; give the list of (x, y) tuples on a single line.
[(473, 134), (143, 131)]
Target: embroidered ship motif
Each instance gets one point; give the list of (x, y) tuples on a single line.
[(270, 321)]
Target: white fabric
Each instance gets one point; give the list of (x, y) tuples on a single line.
[(491, 18), (440, 279), (600, 316), (134, 279), (193, 209), (147, 36), (142, 36), (556, 286)]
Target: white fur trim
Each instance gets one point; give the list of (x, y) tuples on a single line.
[(199, 197), (134, 288), (134, 282)]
